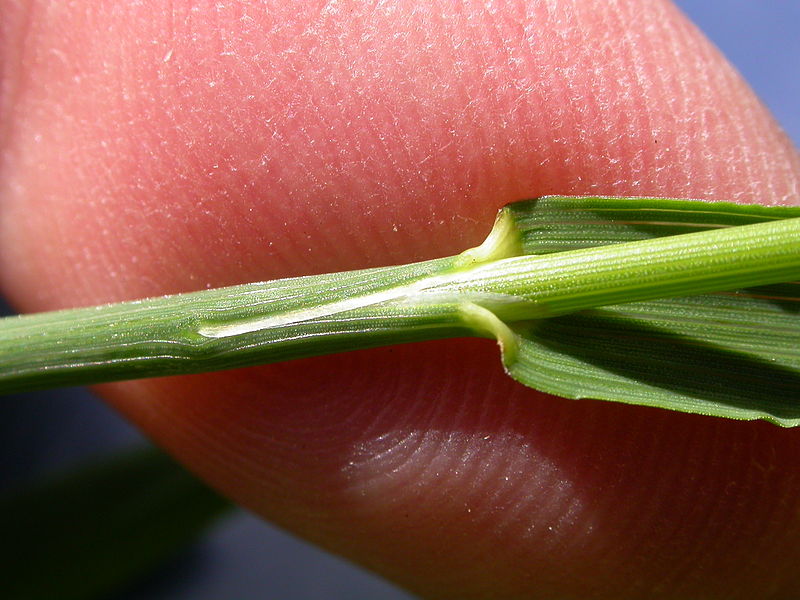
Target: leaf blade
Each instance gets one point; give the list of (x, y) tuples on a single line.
[(562, 223), (733, 354)]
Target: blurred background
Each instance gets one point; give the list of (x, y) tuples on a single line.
[(242, 557)]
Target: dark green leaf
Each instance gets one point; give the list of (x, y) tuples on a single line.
[(98, 528), (731, 354)]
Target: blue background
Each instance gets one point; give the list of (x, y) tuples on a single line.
[(245, 558)]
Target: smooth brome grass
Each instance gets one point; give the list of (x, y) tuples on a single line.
[(649, 301)]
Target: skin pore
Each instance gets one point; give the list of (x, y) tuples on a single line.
[(149, 151)]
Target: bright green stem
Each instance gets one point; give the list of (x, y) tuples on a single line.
[(680, 265), (475, 293)]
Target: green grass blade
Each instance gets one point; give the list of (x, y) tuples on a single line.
[(544, 258), (563, 223), (100, 527), (731, 354)]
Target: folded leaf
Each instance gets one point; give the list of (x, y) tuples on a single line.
[(731, 354)]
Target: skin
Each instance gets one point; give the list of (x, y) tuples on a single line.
[(148, 152)]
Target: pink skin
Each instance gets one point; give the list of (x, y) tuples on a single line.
[(147, 152)]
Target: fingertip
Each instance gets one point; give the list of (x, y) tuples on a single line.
[(335, 140)]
